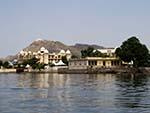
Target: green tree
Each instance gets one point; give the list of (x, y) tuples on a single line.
[(32, 62), (1, 63), (87, 52), (40, 66), (133, 50), (64, 60), (74, 56), (99, 54), (91, 52), (6, 64), (148, 63)]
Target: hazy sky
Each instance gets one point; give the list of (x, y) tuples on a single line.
[(103, 22)]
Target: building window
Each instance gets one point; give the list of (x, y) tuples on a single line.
[(104, 63), (112, 63)]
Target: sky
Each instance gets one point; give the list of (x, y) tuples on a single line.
[(104, 22)]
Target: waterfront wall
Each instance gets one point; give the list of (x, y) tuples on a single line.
[(117, 70), (49, 70), (93, 70), (7, 70), (65, 70)]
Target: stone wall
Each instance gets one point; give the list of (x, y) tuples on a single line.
[(7, 70)]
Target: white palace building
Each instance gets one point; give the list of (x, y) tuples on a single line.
[(44, 55)]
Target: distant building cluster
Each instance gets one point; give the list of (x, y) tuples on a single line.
[(44, 55)]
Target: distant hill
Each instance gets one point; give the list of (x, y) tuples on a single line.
[(56, 46)]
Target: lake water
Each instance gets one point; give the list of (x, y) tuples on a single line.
[(74, 93)]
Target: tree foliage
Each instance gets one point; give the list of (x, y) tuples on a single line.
[(32, 62), (1, 63), (99, 54), (74, 56), (148, 63), (87, 52), (91, 52), (6, 64), (64, 60), (133, 50), (40, 66)]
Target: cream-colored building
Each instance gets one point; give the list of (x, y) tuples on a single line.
[(94, 62), (44, 56)]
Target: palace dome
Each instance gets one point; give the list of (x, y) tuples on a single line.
[(62, 51), (68, 52)]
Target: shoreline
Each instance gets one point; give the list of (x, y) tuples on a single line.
[(119, 70), (65, 70)]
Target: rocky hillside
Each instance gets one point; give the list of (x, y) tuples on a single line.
[(56, 46)]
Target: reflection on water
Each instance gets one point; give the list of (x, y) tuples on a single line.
[(74, 93), (133, 92)]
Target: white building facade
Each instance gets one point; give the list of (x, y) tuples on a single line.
[(45, 56)]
